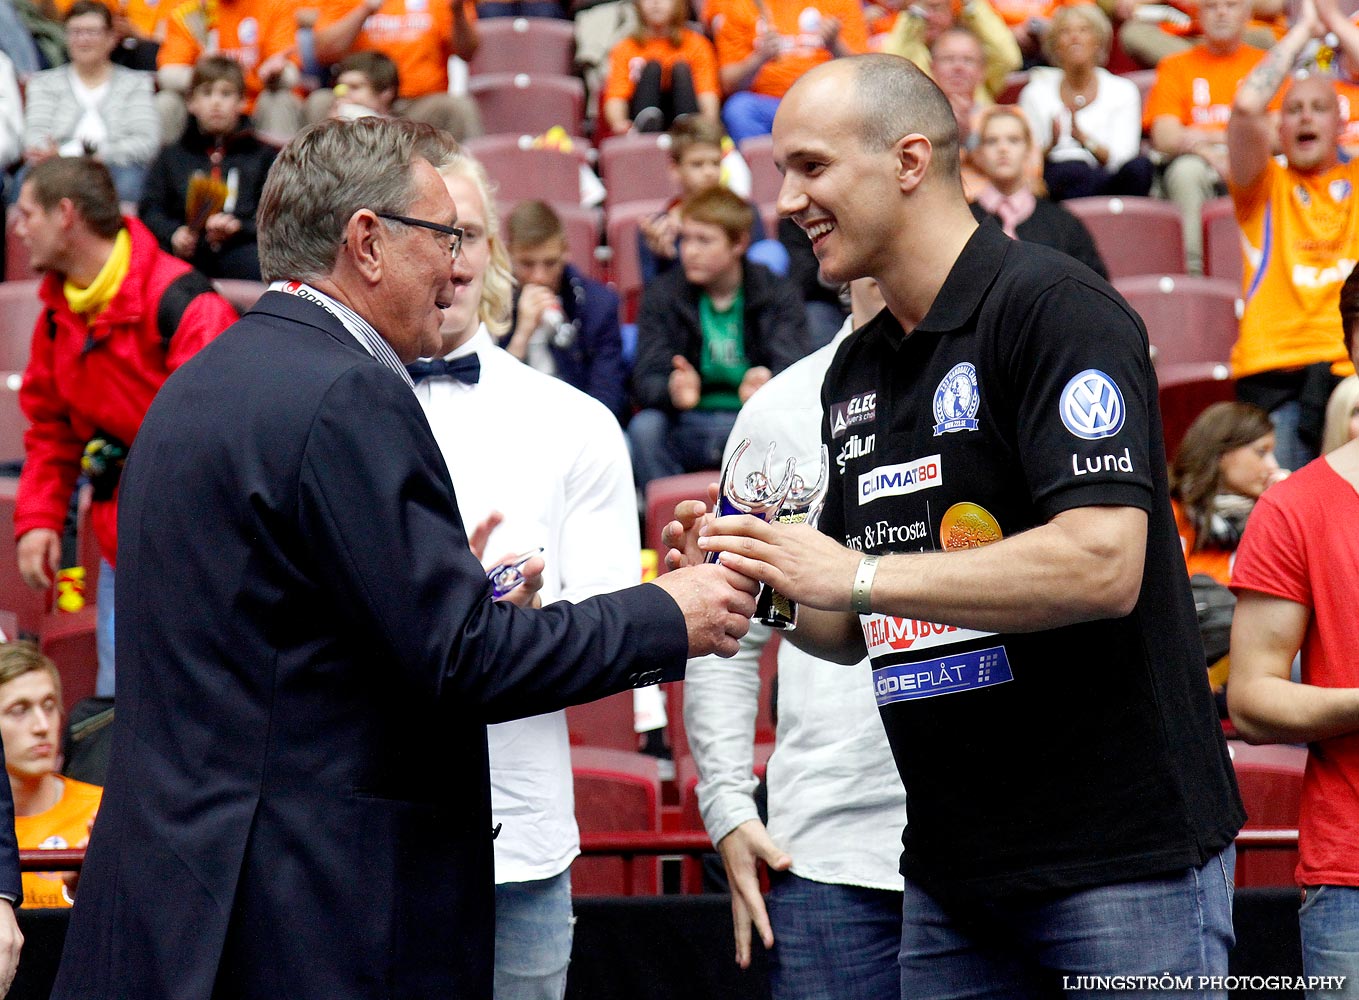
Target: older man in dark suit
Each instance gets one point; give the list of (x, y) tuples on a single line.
[(11, 888), (298, 802)]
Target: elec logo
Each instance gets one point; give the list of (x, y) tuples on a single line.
[(1091, 406), (860, 409), (899, 480)]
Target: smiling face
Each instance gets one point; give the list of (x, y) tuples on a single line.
[(1309, 124), (845, 196), (30, 724)]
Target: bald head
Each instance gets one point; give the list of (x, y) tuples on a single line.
[(890, 98), (1309, 123)]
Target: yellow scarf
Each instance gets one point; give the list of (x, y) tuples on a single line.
[(89, 302)]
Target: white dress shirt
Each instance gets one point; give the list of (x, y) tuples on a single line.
[(836, 804), (1113, 119), (553, 461)]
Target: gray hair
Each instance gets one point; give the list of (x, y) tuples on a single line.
[(326, 174), (1091, 15), (895, 99)]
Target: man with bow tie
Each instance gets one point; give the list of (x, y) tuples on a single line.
[(548, 466)]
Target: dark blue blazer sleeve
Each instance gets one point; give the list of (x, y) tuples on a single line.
[(10, 882), (379, 517)]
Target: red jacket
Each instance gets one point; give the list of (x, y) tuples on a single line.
[(86, 378)]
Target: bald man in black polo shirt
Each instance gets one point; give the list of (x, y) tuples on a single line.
[(1002, 547)]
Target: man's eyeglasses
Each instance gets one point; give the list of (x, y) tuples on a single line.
[(455, 244)]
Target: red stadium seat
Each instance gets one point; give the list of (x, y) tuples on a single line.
[(764, 715), (1134, 235), (615, 790), (1221, 241), (16, 254), (242, 294), (515, 44), (68, 639), (765, 179), (20, 308), (661, 497), (1185, 390), (1014, 83), (582, 228), (1270, 779), (13, 423), (518, 103), (29, 606), (606, 723), (1188, 318), (621, 223), (636, 167), (521, 171), (1144, 78)]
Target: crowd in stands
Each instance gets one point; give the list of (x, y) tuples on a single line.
[(188, 103)]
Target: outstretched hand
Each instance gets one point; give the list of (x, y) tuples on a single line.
[(680, 536), (795, 559)]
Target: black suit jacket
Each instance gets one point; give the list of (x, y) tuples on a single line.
[(11, 884), (298, 803)]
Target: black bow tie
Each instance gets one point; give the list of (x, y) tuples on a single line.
[(465, 369)]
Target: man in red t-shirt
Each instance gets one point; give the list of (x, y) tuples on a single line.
[(1296, 576)]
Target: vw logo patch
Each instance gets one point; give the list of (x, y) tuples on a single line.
[(956, 400), (1091, 406)]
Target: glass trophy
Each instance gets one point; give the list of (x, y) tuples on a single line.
[(801, 505), (756, 494), (506, 576)]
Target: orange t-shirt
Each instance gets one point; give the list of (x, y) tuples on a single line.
[(417, 35), (1018, 11), (65, 825), (1197, 86), (796, 23), (1217, 563), (627, 59), (1301, 235), (249, 31)]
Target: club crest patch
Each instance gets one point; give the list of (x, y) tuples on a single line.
[(956, 400)]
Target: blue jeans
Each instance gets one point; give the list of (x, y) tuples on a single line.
[(746, 114), (832, 942), (1035, 949), (533, 931), (103, 630), (1290, 450), (669, 445), (1329, 919)]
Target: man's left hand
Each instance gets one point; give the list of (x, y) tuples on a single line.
[(11, 940), (526, 594), (796, 560)]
